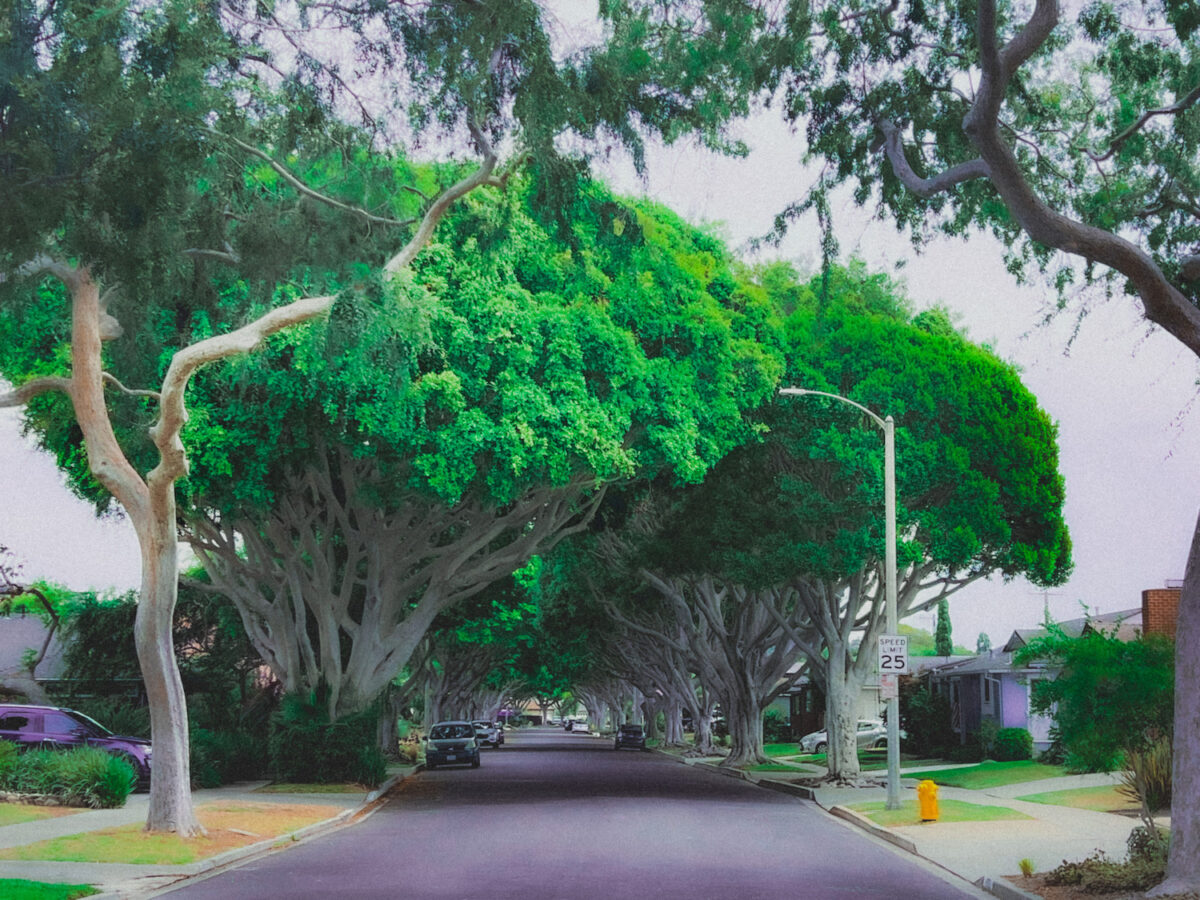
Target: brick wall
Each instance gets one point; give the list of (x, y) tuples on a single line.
[(1160, 609)]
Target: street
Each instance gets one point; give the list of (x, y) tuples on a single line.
[(558, 815)]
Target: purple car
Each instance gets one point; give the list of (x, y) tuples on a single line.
[(55, 728)]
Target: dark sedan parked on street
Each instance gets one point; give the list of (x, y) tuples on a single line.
[(629, 735), (451, 744), (56, 728)]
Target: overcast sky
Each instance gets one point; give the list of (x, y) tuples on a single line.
[(1123, 398)]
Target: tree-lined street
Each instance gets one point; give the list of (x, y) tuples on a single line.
[(562, 815)]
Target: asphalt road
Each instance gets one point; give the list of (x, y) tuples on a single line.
[(557, 815)]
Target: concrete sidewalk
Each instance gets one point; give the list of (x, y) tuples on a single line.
[(119, 881), (979, 852)]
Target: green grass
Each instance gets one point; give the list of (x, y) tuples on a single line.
[(993, 774), (774, 767), (1102, 798), (948, 811), (20, 889), (782, 749), (16, 813), (286, 788)]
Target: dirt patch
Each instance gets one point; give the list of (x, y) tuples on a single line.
[(1036, 884)]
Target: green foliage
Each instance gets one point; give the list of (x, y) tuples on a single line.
[(83, 776), (943, 643), (983, 643), (1012, 744), (970, 752), (1110, 696), (8, 760), (23, 889), (223, 757), (925, 718), (305, 747), (1146, 775), (1100, 875), (921, 642), (776, 727)]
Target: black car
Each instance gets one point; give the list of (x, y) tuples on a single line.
[(629, 735), (57, 728), (452, 744)]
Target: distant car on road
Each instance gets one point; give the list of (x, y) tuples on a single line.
[(451, 744), (58, 728), (872, 734), (580, 725), (488, 734), (630, 735)]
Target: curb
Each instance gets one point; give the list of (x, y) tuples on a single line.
[(886, 834), (242, 854), (1003, 889)]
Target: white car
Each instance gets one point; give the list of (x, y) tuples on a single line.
[(579, 726), (872, 734)]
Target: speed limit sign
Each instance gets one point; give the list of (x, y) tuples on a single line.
[(893, 654)]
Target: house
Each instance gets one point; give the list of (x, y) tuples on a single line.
[(20, 635), (990, 686)]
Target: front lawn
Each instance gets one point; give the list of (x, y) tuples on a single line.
[(993, 774), (1102, 798), (229, 826), (288, 788), (20, 889), (782, 749), (948, 811)]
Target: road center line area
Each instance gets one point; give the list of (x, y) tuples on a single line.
[(559, 815)]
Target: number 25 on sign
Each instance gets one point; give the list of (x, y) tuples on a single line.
[(893, 654)]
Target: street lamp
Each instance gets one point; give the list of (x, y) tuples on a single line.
[(889, 507)]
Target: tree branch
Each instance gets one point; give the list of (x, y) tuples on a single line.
[(34, 388), (925, 187)]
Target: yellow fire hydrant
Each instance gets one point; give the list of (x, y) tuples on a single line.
[(927, 798)]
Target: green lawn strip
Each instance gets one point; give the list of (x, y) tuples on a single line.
[(948, 811), (1101, 798), (992, 774), (774, 750), (20, 889), (16, 813), (774, 767), (286, 788)]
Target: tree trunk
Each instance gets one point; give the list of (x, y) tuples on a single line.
[(841, 719), (171, 806), (1183, 864), (744, 717)]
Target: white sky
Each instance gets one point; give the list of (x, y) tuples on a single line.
[(1123, 399)]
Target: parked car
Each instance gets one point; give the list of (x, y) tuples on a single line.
[(58, 728), (630, 735), (488, 734), (452, 743), (872, 734), (580, 725)]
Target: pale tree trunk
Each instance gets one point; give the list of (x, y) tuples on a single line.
[(1183, 864), (674, 735), (841, 718), (744, 717), (150, 505)]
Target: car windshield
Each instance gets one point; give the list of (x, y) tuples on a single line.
[(483, 724), (449, 732), (632, 729), (88, 721)]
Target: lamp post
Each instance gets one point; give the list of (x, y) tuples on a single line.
[(889, 511)]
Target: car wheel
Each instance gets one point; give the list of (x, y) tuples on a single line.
[(475, 763), (881, 744), (820, 748), (430, 766)]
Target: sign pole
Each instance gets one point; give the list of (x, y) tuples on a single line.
[(893, 627)]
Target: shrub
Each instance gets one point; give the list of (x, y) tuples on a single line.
[(84, 776), (1148, 844), (988, 729), (1146, 776), (1013, 744), (776, 727), (969, 752), (221, 757), (8, 763), (1100, 875), (305, 747), (925, 718), (1026, 867)]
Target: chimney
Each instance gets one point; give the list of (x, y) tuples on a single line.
[(1160, 609)]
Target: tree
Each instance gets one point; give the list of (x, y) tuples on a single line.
[(465, 419), (1073, 142), (801, 511), (983, 643), (14, 596), (942, 641)]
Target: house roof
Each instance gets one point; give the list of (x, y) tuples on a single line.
[(1125, 623)]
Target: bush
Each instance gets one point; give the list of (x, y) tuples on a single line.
[(969, 752), (1146, 776), (776, 727), (221, 757), (1012, 744), (1100, 875), (925, 718), (1148, 844), (8, 762), (305, 747), (84, 776)]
